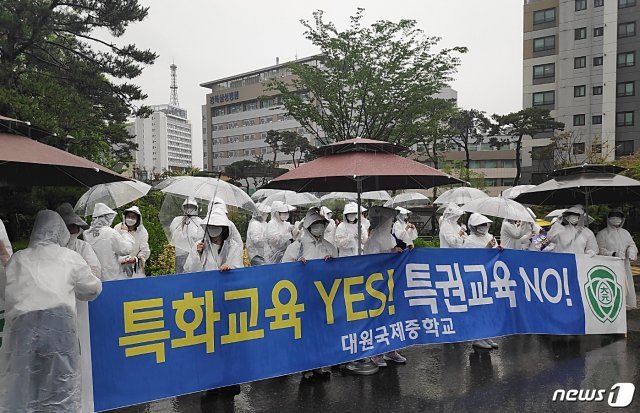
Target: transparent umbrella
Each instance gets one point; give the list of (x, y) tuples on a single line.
[(371, 196), (261, 194), (114, 195), (291, 198), (166, 182), (513, 192), (460, 195), (499, 207), (204, 188), (408, 199)]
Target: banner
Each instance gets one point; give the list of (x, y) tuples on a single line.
[(165, 336)]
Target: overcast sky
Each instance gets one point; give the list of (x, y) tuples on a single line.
[(210, 39)]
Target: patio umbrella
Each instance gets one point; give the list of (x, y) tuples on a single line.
[(205, 189), (291, 198), (26, 162), (513, 192), (408, 198), (360, 165), (113, 194), (460, 195), (587, 184), (499, 207), (370, 195)]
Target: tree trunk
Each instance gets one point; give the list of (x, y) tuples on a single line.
[(467, 160), (516, 181)]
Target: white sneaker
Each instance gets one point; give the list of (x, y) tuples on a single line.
[(395, 357), (379, 361), (482, 344), (492, 343)]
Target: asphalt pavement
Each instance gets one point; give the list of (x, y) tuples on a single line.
[(521, 376)]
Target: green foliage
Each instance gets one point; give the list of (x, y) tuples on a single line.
[(421, 243), (371, 81), (460, 171), (468, 128), (55, 73)]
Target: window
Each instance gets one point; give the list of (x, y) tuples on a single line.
[(626, 59), (544, 71), (218, 112), (596, 120), (598, 60), (544, 16), (627, 29), (598, 31), (578, 148), (491, 163), (624, 148), (474, 164), (490, 181), (507, 181), (544, 43), (579, 91), (581, 5), (544, 98), (597, 90), (580, 62), (626, 3), (578, 120), (581, 33), (598, 3), (508, 163), (624, 118), (625, 89)]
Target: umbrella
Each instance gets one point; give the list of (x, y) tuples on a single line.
[(291, 198), (113, 194), (460, 195), (25, 162), (499, 207), (513, 192), (166, 182), (555, 213), (587, 184), (370, 195), (205, 188), (261, 194), (408, 198)]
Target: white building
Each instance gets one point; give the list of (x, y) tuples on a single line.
[(164, 141)]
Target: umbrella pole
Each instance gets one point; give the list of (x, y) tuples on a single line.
[(359, 221)]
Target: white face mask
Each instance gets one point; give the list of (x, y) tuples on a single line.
[(483, 230), (316, 229), (615, 221), (190, 210), (329, 215), (214, 231), (573, 219), (350, 217), (130, 221), (284, 216)]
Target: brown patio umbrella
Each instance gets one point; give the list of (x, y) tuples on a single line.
[(26, 162)]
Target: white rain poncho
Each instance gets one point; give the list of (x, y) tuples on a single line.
[(574, 238), (380, 239), (108, 244), (616, 241), (185, 231), (278, 234), (310, 246), (347, 232), (219, 205), (40, 356), (215, 256), (451, 233), (402, 230), (5, 252), (75, 244), (256, 240), (514, 235), (140, 251), (330, 231), (476, 238)]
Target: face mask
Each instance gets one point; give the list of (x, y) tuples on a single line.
[(350, 218), (190, 210), (284, 216), (483, 230), (615, 221), (316, 229), (329, 215), (130, 222), (214, 231), (74, 236), (573, 219)]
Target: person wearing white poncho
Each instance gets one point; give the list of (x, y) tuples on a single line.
[(185, 231), (616, 241), (515, 234), (40, 356), (108, 244), (132, 265), (256, 236), (347, 231), (402, 229), (218, 251), (330, 232), (569, 233), (279, 233), (311, 244), (452, 234)]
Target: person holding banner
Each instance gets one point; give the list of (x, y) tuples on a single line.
[(347, 231), (40, 357), (570, 233), (452, 234), (218, 250), (279, 233), (185, 231), (615, 241)]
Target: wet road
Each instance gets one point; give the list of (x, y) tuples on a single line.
[(520, 376)]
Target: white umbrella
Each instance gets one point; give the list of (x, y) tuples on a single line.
[(513, 192), (499, 207), (555, 213), (205, 189), (407, 198), (114, 195), (371, 195), (291, 198), (261, 194), (166, 182), (460, 195)]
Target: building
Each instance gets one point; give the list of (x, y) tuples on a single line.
[(164, 142), (579, 61)]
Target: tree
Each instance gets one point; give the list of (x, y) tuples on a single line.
[(289, 143), (468, 128), (241, 170), (58, 74), (515, 126), (368, 81)]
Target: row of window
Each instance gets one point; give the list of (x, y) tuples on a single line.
[(492, 163), (251, 122), (623, 89), (542, 44), (549, 15), (246, 106), (548, 70), (581, 32), (242, 152), (625, 118)]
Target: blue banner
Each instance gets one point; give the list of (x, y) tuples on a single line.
[(165, 336)]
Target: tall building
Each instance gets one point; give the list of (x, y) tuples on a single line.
[(580, 63), (164, 138)]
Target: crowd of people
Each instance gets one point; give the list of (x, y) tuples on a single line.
[(43, 287)]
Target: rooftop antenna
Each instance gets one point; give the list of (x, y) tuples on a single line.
[(173, 98)]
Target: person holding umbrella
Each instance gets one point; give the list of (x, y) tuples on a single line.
[(218, 250), (185, 230), (132, 264), (330, 232), (76, 227), (452, 234), (279, 233), (515, 234), (256, 236), (571, 235), (403, 230), (615, 241)]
